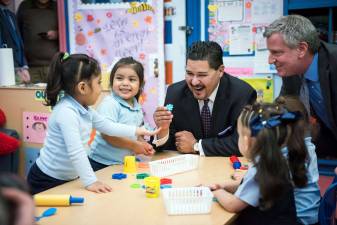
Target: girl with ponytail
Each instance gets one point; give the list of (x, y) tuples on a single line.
[(63, 156), (301, 155)]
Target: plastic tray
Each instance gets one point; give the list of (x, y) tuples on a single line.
[(191, 200), (173, 165)]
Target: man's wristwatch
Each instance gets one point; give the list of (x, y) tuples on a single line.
[(196, 147)]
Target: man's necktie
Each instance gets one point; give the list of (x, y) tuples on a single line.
[(206, 119)]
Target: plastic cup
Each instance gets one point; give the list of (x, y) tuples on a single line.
[(152, 186), (130, 164)]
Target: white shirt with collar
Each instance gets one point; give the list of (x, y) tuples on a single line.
[(211, 99)]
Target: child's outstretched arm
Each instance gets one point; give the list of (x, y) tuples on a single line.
[(137, 147), (229, 201), (110, 128), (230, 186), (142, 131)]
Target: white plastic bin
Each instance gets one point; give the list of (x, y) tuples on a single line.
[(173, 165), (190, 200)]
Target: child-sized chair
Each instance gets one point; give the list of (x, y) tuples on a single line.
[(327, 208)]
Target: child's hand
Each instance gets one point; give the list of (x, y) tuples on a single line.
[(214, 187), (99, 187), (142, 131), (237, 175), (148, 149), (142, 147)]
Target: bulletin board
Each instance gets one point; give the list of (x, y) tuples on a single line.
[(110, 31), (238, 26)]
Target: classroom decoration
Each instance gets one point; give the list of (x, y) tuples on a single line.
[(264, 88), (238, 26), (110, 31), (152, 187), (56, 200), (173, 165), (7, 75), (187, 200), (34, 126)]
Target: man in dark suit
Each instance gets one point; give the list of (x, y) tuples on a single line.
[(10, 38), (206, 106), (308, 68)]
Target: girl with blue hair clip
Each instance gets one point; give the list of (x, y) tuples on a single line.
[(265, 195), (302, 160)]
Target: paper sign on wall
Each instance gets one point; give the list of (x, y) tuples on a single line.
[(34, 126), (264, 88)]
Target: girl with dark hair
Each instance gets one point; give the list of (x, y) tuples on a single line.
[(126, 82), (265, 195), (63, 156), (302, 160)]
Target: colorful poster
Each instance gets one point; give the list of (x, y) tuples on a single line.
[(264, 88), (110, 31), (34, 126)]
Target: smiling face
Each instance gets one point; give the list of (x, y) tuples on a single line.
[(126, 83), (201, 79), (288, 61)]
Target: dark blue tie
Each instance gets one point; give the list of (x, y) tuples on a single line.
[(206, 119)]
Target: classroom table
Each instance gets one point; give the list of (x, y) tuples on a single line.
[(125, 205)]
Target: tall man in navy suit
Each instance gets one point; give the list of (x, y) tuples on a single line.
[(10, 38), (206, 106), (308, 68)]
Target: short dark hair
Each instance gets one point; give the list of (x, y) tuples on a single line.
[(206, 50), (133, 64)]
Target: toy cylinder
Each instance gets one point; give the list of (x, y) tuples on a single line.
[(56, 200)]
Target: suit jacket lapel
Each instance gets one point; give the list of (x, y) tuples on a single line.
[(192, 113), (324, 77), (219, 111)]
